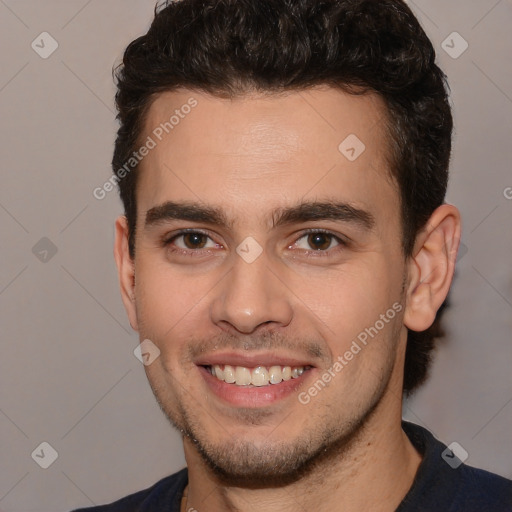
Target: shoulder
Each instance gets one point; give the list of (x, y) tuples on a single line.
[(445, 483), (486, 490), (164, 495)]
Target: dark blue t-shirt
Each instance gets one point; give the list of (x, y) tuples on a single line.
[(437, 486)]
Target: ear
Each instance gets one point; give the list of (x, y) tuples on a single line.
[(431, 267), (125, 269)]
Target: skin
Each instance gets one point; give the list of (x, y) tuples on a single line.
[(302, 297)]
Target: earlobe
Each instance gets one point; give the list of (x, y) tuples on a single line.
[(431, 267), (125, 269)]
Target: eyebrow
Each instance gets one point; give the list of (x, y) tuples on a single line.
[(282, 216)]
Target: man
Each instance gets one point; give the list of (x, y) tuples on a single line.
[(285, 250)]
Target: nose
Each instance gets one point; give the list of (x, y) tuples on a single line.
[(252, 295)]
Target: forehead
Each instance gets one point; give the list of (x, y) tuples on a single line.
[(258, 150)]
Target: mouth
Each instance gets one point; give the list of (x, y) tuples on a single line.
[(253, 381)]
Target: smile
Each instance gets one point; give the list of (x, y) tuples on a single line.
[(258, 376)]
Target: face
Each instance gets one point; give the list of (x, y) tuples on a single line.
[(268, 254)]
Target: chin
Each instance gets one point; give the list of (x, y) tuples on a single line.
[(267, 462)]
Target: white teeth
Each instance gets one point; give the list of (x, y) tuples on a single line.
[(275, 374), (243, 376), (259, 376), (218, 372), (229, 374), (297, 372)]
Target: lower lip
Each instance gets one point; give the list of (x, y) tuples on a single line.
[(252, 396)]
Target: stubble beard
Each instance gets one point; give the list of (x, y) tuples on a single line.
[(239, 462)]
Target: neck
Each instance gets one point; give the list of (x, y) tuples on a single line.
[(373, 473)]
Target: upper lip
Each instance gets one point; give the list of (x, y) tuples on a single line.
[(251, 360)]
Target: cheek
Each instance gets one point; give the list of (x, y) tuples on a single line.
[(347, 300), (167, 300)]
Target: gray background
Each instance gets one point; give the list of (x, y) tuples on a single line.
[(68, 373)]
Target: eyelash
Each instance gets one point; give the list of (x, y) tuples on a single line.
[(167, 242)]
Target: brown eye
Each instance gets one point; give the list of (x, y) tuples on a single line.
[(319, 241), (194, 240)]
